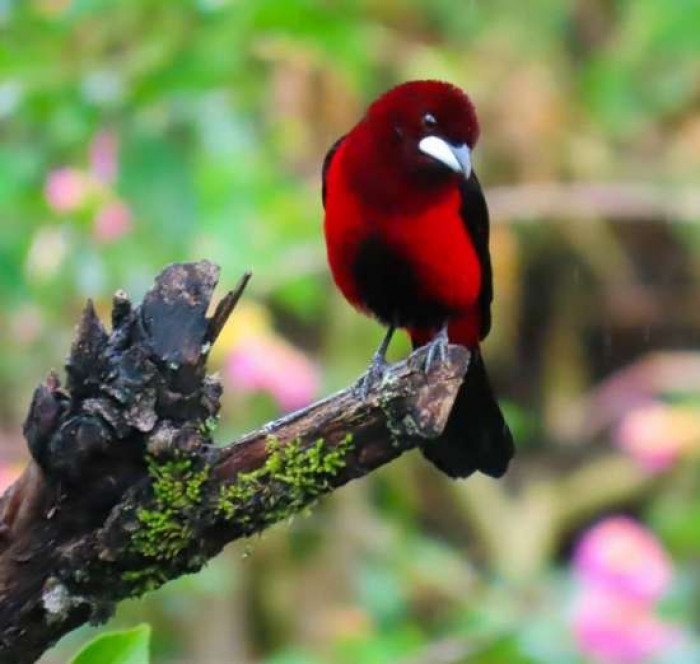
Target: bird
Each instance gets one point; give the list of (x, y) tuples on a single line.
[(406, 227)]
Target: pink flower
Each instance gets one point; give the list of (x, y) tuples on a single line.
[(266, 363), (112, 221), (66, 189), (619, 555), (103, 156), (622, 572), (656, 435), (614, 629)]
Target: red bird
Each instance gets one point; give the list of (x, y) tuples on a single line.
[(407, 232)]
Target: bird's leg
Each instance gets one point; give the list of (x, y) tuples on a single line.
[(437, 349), (377, 367)]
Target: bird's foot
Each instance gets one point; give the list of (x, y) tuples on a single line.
[(377, 368), (437, 350), (373, 377)]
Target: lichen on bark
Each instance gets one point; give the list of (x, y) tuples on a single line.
[(292, 478)]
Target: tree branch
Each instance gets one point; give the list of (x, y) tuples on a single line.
[(614, 201), (126, 490)]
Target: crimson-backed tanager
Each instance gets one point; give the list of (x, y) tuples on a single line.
[(407, 233)]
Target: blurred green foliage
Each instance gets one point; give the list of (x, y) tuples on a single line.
[(220, 112)]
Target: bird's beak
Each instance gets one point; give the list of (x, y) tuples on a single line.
[(456, 157)]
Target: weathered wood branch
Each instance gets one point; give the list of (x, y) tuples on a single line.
[(126, 490)]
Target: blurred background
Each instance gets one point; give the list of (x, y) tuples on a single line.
[(141, 132)]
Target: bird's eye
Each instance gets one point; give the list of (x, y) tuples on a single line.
[(429, 121)]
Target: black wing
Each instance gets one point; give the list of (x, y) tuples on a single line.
[(326, 165), (475, 214)]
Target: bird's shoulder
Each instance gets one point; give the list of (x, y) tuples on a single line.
[(474, 210), (327, 160), (475, 216)]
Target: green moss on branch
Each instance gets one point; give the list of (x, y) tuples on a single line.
[(166, 527), (292, 478)]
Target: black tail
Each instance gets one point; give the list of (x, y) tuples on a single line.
[(476, 436)]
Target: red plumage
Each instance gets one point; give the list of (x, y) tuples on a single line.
[(407, 236)]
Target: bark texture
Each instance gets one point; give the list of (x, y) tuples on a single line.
[(126, 489)]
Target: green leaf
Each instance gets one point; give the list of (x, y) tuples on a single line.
[(128, 647)]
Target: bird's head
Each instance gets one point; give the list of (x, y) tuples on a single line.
[(417, 136), (426, 126)]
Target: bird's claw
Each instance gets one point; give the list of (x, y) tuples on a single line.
[(372, 377), (437, 350)]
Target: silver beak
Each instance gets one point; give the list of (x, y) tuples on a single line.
[(455, 157)]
